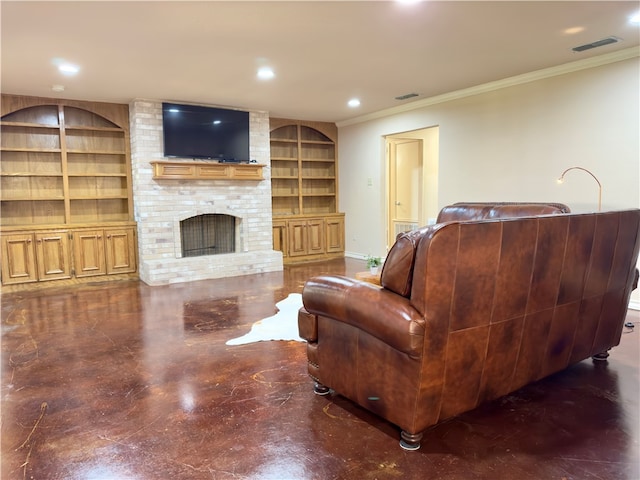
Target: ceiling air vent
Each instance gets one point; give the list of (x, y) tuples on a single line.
[(406, 95), (599, 43)]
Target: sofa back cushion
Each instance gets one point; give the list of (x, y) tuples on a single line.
[(397, 270)]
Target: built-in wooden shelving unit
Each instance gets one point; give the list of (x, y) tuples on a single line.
[(65, 190), (304, 190)]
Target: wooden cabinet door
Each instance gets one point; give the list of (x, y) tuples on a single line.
[(335, 235), (121, 251), (297, 237), (315, 236), (306, 237), (280, 237), (88, 253), (52, 255), (18, 259)]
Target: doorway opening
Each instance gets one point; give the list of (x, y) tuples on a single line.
[(412, 180)]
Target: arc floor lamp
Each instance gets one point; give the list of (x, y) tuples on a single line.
[(561, 180)]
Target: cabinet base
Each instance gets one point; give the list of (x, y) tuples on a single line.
[(310, 258), (97, 280)]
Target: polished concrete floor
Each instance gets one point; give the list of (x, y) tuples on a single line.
[(126, 381)]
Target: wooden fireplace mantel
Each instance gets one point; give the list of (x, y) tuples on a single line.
[(203, 170)]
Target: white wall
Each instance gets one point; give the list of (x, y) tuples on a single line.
[(509, 144)]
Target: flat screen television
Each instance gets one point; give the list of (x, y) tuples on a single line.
[(193, 131)]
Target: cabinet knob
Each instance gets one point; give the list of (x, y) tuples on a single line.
[(109, 236), (99, 237), (39, 240)]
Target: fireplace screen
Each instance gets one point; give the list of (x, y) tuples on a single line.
[(208, 234)]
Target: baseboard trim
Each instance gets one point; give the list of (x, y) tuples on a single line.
[(634, 305), (357, 256)]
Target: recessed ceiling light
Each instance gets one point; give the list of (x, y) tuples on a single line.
[(573, 30), (265, 73), (68, 68), (353, 103), (635, 19), (57, 88)]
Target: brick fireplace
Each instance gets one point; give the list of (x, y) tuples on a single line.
[(161, 205)]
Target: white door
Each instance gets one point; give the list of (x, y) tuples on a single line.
[(405, 185)]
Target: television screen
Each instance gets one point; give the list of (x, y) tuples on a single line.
[(192, 131)]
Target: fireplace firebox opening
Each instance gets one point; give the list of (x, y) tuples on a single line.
[(208, 234)]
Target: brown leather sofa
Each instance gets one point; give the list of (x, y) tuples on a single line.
[(471, 309)]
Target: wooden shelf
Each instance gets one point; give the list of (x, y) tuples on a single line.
[(203, 170), (97, 174), (28, 124), (92, 129), (29, 174), (28, 149), (96, 152), (316, 142), (25, 199), (97, 197)]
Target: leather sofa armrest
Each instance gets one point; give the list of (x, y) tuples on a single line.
[(307, 326), (386, 315)]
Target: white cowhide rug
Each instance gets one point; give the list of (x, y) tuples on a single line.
[(281, 326)]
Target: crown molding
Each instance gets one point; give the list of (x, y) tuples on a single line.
[(578, 65)]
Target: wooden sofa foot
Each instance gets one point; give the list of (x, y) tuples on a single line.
[(410, 441), (600, 357), (320, 389)]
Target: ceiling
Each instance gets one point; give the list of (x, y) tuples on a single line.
[(323, 53)]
